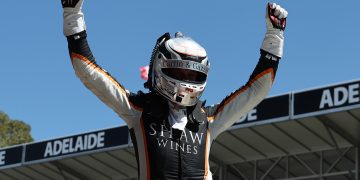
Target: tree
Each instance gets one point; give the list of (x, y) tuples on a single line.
[(13, 132)]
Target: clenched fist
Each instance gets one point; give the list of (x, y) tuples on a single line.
[(71, 3), (275, 17), (73, 17)]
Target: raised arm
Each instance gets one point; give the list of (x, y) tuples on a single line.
[(221, 116), (100, 82)]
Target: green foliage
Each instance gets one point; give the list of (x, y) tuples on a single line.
[(13, 132)]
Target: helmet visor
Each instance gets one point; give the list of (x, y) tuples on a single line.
[(185, 75)]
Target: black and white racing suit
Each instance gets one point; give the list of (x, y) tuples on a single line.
[(163, 152)]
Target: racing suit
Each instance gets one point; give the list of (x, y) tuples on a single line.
[(161, 151)]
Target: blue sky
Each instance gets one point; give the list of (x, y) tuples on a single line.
[(38, 84)]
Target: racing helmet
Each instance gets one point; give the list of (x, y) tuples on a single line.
[(178, 69)]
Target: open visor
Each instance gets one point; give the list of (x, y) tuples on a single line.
[(185, 75)]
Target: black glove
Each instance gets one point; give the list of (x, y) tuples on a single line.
[(70, 3)]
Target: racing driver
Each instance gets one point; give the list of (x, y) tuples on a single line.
[(171, 129)]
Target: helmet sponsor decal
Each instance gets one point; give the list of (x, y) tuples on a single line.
[(184, 64)]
